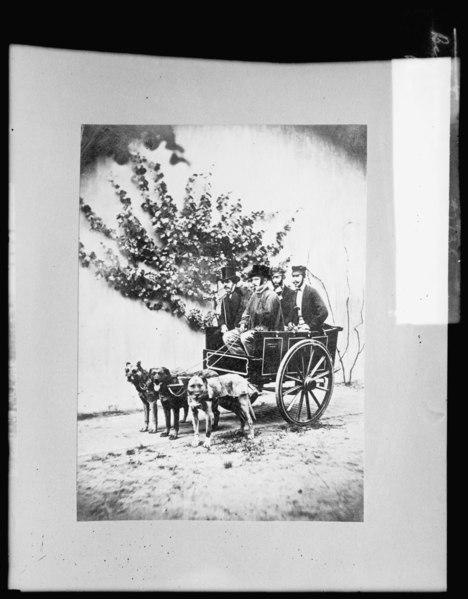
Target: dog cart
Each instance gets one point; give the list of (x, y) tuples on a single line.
[(298, 364)]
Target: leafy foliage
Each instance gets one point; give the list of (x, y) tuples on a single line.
[(95, 222), (182, 254)]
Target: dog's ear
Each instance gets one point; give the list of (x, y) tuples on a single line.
[(139, 365), (167, 372)]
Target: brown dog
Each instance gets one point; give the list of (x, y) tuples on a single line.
[(171, 401), (230, 391), (142, 380)]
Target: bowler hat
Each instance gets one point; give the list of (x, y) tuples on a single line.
[(228, 273), (299, 268), (260, 270)]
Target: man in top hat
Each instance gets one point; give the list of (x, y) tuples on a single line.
[(285, 293), (310, 311), (262, 313), (232, 306)]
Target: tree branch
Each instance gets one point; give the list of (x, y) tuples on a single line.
[(360, 349)]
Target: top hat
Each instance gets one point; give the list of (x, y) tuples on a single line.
[(260, 270), (299, 268), (228, 273)]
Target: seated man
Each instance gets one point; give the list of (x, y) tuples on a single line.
[(245, 287), (232, 306), (262, 313), (286, 294), (310, 311)]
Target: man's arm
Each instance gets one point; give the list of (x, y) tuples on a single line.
[(287, 305), (279, 320), (319, 311), (244, 322), (238, 308), (276, 313)]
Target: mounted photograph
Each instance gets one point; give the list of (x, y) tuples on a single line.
[(221, 322)]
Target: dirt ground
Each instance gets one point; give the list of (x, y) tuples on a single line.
[(285, 473)]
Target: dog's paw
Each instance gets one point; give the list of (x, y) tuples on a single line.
[(152, 430), (195, 442), (165, 434), (144, 429), (207, 444), (173, 435)]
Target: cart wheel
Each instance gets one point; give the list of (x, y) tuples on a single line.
[(304, 382)]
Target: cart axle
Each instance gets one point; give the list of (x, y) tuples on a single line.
[(310, 383)]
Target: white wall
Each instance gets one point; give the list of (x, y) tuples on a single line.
[(114, 330), (269, 169)]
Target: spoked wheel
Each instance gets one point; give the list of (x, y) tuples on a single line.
[(304, 383)]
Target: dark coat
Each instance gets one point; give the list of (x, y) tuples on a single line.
[(314, 311), (288, 301), (231, 310), (263, 312)]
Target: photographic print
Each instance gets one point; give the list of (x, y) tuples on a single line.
[(221, 322)]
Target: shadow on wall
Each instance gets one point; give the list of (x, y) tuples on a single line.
[(114, 330)]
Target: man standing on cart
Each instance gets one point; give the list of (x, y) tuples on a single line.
[(262, 313), (310, 311), (232, 305), (286, 294)]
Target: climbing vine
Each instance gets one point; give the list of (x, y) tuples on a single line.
[(179, 257)]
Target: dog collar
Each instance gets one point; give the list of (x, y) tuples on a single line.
[(173, 393), (143, 386)]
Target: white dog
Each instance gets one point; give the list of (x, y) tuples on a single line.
[(230, 391)]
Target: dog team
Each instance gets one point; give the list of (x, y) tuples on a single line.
[(261, 303), (206, 391)]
